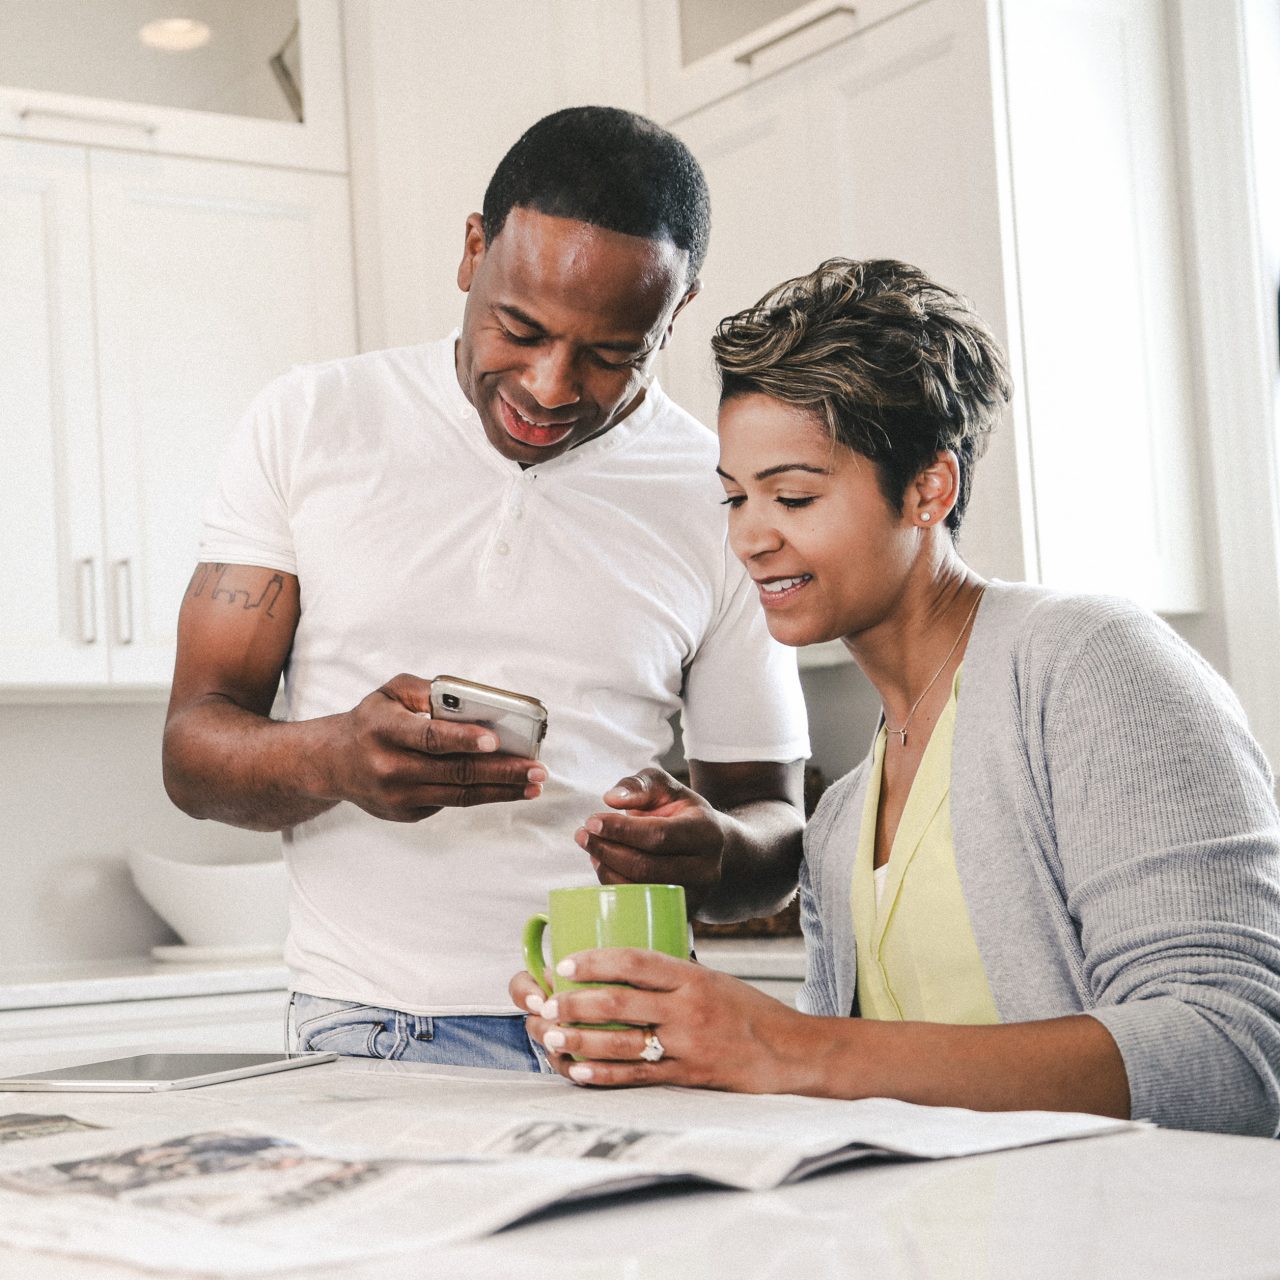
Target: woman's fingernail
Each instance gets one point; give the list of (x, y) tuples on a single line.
[(487, 742), (550, 1011), (580, 837), (580, 1072), (595, 826), (566, 968), (533, 1003), (554, 1039), (537, 774)]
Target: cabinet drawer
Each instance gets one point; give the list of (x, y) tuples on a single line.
[(250, 1021)]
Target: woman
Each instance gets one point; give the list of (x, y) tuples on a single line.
[(1054, 882)]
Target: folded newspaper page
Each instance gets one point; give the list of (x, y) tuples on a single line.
[(344, 1162)]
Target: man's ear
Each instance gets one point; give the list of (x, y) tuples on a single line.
[(473, 250), (694, 289)]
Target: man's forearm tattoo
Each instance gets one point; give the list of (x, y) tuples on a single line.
[(209, 579)]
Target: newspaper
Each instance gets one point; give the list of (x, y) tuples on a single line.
[(344, 1162)]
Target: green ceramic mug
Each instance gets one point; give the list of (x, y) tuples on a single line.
[(651, 916)]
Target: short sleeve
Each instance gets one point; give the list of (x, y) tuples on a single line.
[(742, 696), (246, 516)]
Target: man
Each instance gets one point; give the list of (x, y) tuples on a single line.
[(520, 505)]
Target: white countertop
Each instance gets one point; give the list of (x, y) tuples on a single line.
[(753, 957), (132, 978), (1147, 1204), (143, 978)]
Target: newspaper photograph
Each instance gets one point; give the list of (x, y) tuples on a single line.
[(20, 1126), (220, 1176), (234, 1202)]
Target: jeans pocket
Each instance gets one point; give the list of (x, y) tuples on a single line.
[(352, 1030), (539, 1053)]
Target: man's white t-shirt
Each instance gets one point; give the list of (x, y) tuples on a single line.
[(600, 582)]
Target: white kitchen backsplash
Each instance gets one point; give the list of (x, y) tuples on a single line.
[(80, 786)]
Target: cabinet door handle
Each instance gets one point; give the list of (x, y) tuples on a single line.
[(749, 55), (86, 117), (122, 590), (86, 601)]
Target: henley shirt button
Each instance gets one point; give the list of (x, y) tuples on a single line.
[(502, 548)]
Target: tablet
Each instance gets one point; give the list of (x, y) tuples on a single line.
[(152, 1072)]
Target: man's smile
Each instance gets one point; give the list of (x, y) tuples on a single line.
[(538, 435)]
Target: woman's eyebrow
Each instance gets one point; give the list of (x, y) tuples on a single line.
[(780, 469)]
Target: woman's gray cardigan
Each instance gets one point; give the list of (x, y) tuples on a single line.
[(1118, 845)]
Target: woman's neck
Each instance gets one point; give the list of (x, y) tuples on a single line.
[(924, 634)]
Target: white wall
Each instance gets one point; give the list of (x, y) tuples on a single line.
[(436, 94)]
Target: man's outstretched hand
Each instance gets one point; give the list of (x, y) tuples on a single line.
[(657, 831)]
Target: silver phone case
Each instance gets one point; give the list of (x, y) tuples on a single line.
[(519, 721)]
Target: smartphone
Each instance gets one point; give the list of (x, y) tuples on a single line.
[(519, 721)]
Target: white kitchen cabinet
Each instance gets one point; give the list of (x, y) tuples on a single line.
[(697, 51), (50, 531), (175, 289), (211, 279), (76, 71), (896, 142), (247, 1021)]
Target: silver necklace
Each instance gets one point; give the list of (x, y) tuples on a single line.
[(901, 734)]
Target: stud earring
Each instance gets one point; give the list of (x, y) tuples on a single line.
[(925, 516)]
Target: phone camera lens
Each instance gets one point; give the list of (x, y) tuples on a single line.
[(451, 701)]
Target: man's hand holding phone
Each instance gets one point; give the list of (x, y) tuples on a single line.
[(398, 761), (518, 721)]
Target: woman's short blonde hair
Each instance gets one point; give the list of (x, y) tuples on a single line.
[(897, 366)]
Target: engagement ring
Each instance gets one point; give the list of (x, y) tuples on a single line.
[(653, 1050)]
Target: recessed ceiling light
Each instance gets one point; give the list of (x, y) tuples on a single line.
[(175, 35)]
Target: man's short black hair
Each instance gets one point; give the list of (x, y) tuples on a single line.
[(611, 168)]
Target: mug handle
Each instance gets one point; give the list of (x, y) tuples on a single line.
[(533, 961)]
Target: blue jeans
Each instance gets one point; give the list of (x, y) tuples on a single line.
[(365, 1031)]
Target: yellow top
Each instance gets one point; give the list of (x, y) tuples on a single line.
[(918, 960)]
